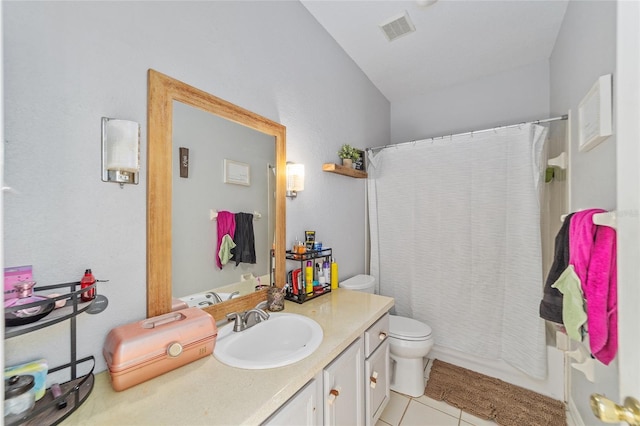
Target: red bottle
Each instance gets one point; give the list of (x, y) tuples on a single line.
[(86, 281)]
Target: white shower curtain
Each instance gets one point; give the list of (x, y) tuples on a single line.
[(455, 239)]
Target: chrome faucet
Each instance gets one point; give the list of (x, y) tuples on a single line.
[(243, 319), (258, 315), (215, 296)]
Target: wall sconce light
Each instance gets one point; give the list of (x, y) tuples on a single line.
[(120, 151), (295, 179)]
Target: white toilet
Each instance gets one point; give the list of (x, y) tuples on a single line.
[(409, 343)]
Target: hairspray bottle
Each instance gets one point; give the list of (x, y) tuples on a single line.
[(308, 277), (334, 274)]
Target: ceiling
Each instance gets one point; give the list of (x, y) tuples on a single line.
[(455, 41)]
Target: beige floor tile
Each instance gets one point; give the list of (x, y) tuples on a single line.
[(418, 414), (439, 405), (395, 409), (476, 421)]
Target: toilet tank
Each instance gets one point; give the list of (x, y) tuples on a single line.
[(364, 283)]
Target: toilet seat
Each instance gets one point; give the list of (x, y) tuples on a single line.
[(408, 329)]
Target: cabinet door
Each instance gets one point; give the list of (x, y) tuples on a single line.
[(377, 383), (343, 387), (301, 409)]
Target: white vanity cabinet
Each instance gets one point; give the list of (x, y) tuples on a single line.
[(377, 369), (343, 381), (352, 390), (302, 408)]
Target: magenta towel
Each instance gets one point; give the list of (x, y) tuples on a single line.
[(592, 252), (226, 225)]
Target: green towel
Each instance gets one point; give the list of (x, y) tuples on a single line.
[(573, 313), (225, 249)]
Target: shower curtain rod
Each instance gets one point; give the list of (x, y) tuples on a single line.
[(546, 120)]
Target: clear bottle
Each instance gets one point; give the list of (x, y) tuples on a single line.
[(326, 271), (87, 280)]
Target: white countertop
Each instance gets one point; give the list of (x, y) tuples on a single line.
[(209, 392)]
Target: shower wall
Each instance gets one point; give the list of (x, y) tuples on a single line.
[(513, 96)]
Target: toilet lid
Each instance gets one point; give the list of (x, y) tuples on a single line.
[(408, 328)]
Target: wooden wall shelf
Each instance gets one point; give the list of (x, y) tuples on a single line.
[(342, 170)]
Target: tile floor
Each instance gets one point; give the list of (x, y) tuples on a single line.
[(403, 410)]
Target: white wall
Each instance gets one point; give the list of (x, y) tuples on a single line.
[(585, 50), (69, 63), (514, 96)]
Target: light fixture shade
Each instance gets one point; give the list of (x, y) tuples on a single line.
[(120, 150), (295, 178)]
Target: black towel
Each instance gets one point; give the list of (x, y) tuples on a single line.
[(551, 304), (245, 249)]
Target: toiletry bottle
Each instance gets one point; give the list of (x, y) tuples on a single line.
[(87, 280), (326, 271), (308, 277), (334, 274)]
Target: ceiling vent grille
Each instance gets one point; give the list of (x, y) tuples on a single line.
[(397, 26)]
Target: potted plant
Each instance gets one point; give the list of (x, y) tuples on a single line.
[(348, 154)]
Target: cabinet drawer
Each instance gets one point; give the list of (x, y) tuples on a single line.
[(375, 335)]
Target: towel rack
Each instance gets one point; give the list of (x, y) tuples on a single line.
[(213, 215), (603, 219)]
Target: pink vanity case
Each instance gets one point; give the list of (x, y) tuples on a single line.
[(145, 349)]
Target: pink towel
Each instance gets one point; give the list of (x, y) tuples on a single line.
[(592, 252), (226, 225)]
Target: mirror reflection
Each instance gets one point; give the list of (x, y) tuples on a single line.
[(196, 264), (199, 255)]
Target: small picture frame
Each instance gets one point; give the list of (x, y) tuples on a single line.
[(360, 164), (237, 173)]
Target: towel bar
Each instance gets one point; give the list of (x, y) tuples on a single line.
[(213, 215), (603, 219)]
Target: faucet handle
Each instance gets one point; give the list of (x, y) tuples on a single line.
[(239, 318)]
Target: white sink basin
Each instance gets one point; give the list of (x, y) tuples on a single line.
[(281, 340)]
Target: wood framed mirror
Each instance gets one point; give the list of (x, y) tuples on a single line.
[(162, 92)]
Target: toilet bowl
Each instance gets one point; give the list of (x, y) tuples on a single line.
[(409, 343)]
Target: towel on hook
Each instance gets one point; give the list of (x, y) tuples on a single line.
[(245, 249), (551, 305), (226, 225), (593, 255)]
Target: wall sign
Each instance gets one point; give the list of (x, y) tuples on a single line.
[(237, 173), (594, 114)]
